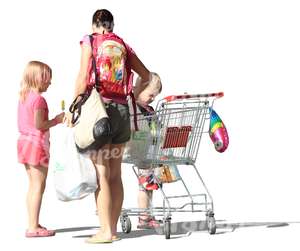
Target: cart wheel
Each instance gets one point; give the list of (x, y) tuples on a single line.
[(126, 224), (167, 228), (211, 224)]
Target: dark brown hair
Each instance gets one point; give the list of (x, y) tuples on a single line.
[(103, 18)]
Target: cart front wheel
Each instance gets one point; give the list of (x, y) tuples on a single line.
[(211, 224), (167, 228), (126, 224)]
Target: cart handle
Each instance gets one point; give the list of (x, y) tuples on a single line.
[(187, 96)]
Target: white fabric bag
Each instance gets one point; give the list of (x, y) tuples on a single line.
[(74, 173), (90, 121)]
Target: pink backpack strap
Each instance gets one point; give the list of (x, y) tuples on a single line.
[(94, 65), (130, 90)]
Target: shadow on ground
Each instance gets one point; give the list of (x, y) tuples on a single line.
[(184, 229), (75, 229)]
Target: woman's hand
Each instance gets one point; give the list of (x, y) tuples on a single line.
[(68, 119)]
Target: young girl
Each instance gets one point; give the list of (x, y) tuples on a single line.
[(33, 142)]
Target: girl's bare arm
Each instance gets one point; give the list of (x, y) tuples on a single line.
[(45, 124)]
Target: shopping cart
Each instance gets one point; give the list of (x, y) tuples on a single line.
[(172, 135)]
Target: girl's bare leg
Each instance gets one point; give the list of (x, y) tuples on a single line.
[(37, 182)]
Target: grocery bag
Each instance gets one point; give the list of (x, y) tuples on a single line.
[(74, 173)]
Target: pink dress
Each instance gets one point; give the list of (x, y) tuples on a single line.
[(33, 144)]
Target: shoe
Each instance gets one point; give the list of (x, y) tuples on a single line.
[(148, 223), (115, 238), (95, 240), (40, 232)]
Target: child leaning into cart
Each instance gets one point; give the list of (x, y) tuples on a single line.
[(144, 96)]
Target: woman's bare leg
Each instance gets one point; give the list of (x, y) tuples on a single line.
[(116, 184), (104, 198)]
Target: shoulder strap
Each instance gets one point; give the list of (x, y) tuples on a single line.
[(97, 84)]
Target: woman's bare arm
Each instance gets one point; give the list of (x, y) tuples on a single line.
[(80, 85), (141, 70)]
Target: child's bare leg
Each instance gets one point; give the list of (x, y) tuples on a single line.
[(144, 198), (146, 219), (37, 182)]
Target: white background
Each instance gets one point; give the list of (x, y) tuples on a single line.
[(248, 49)]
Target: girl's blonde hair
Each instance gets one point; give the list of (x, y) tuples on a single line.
[(36, 75)]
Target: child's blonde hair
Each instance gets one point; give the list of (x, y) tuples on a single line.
[(154, 84), (36, 75)]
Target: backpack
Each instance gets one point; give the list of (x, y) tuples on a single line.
[(113, 70)]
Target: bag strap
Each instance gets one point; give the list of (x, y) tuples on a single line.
[(94, 65), (134, 111)]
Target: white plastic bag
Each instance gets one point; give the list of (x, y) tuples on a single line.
[(74, 173), (139, 149)]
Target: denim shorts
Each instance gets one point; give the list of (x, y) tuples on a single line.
[(119, 117)]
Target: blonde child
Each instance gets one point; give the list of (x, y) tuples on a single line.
[(33, 142), (145, 95)]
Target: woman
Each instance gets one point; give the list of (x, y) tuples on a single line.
[(108, 159)]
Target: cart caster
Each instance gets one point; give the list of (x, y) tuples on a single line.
[(211, 222), (126, 224), (167, 228)]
